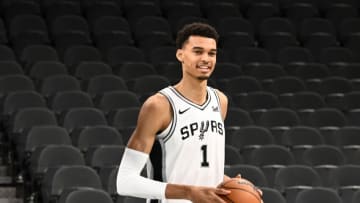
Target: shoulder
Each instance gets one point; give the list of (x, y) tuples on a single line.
[(156, 103), (157, 106), (154, 116)]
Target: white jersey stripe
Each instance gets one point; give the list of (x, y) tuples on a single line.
[(202, 107), (173, 121)]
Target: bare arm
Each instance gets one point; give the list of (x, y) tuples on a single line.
[(154, 116)]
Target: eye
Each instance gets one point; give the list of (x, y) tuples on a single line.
[(212, 54)]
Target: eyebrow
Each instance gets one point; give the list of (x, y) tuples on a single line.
[(196, 48)]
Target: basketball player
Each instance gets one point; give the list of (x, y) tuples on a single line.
[(187, 120)]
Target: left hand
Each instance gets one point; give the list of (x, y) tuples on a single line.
[(238, 176)]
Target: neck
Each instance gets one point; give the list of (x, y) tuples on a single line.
[(194, 90)]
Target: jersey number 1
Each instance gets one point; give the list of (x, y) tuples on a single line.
[(204, 162)]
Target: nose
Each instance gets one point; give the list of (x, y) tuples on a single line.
[(205, 57)]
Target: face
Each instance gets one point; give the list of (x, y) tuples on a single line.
[(198, 57)]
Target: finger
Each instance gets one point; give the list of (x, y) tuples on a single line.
[(219, 200), (259, 191), (221, 191), (238, 176)]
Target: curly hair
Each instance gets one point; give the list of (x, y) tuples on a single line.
[(195, 29)]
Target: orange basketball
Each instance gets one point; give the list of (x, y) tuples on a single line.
[(242, 191)]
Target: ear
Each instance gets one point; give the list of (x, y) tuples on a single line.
[(179, 55)]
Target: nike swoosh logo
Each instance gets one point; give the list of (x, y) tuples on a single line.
[(183, 111)]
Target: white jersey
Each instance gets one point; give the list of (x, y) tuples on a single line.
[(191, 149)]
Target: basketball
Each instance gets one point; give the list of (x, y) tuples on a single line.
[(242, 191)]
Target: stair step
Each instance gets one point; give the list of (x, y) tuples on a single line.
[(5, 180), (7, 192), (3, 170), (12, 200)]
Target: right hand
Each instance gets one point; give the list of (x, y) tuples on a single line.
[(207, 195)]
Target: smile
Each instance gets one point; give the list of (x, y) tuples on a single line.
[(203, 67)]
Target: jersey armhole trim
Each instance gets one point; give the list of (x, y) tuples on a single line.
[(217, 99), (172, 124)]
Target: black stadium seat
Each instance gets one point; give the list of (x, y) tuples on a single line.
[(74, 74), (88, 195)]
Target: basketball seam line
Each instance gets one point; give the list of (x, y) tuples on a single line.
[(242, 190)]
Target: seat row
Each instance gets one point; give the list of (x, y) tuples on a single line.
[(331, 123), (334, 60), (48, 153), (276, 82), (120, 110), (222, 21), (288, 179), (96, 86), (109, 92), (40, 61), (317, 194), (295, 137), (174, 9), (243, 91), (254, 62), (250, 144), (301, 101), (272, 33), (75, 55), (281, 119), (243, 146), (229, 77), (315, 156)]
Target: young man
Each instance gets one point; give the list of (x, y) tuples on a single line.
[(187, 120)]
